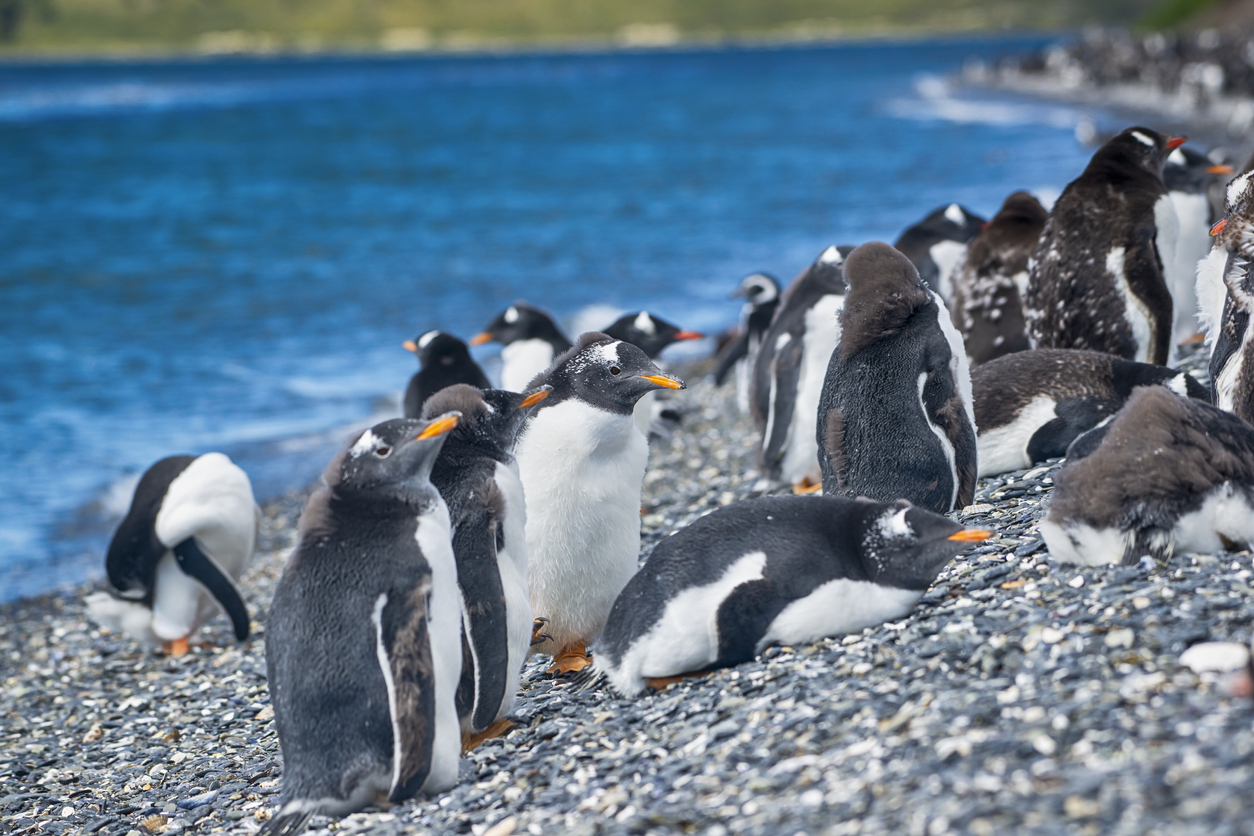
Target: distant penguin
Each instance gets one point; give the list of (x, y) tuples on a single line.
[(761, 294), (445, 361), (772, 570), (1031, 405), (1188, 175), (650, 334), (1098, 278), (988, 287), (477, 476), (788, 373), (582, 461), (896, 418), (531, 339), (1168, 475), (177, 555), (1225, 292), (937, 245), (363, 648)]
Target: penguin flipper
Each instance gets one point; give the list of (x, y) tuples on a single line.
[(945, 410), (196, 564), (485, 630), (736, 350), (785, 378), (404, 647)]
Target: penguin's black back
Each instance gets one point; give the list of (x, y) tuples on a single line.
[(134, 551)]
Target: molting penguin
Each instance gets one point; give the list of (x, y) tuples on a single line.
[(896, 417), (363, 648), (1031, 405), (761, 292), (531, 339), (987, 301), (651, 335), (445, 361), (582, 460), (788, 372), (937, 245), (1225, 292), (1167, 474), (1188, 175), (1098, 279), (477, 476), (777, 569), (176, 556)]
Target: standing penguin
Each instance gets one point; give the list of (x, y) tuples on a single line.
[(531, 339), (445, 360), (788, 372), (651, 335), (477, 476), (937, 245), (582, 460), (761, 294), (1188, 175), (776, 569), (176, 556), (363, 648), (987, 300), (896, 418), (1225, 292), (1098, 278)]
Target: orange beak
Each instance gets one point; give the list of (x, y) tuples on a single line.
[(1175, 142), (970, 535), (664, 382), (410, 345), (438, 427), (689, 335), (480, 339), (1220, 169), (1219, 227), (535, 397)]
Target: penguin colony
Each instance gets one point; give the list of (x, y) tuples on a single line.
[(488, 524)]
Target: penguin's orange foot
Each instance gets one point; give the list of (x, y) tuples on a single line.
[(661, 683), (806, 486), (570, 659), (1193, 340), (470, 741), (536, 636), (178, 647)]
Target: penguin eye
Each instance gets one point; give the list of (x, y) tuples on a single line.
[(383, 452), (615, 370)]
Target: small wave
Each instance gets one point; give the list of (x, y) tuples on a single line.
[(938, 99)]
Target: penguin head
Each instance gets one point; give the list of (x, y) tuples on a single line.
[(952, 222), (605, 373), (758, 289), (1139, 147), (437, 348), (884, 292), (905, 546), (519, 321), (649, 333), (1190, 171), (1236, 230), (392, 459), (490, 418)]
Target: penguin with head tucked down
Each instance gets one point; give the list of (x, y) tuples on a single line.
[(1189, 175), (445, 361), (531, 339), (937, 245), (896, 417), (363, 646), (1225, 292), (650, 334), (174, 560), (761, 294)]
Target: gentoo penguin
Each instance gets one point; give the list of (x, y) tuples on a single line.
[(1031, 405), (1188, 175), (445, 360), (788, 372), (582, 459), (651, 335), (761, 294), (1098, 280), (988, 287), (1169, 474), (896, 419), (937, 244), (531, 339), (1225, 292), (176, 556), (772, 570), (477, 476), (363, 646)]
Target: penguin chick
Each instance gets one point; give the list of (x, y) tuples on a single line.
[(1189, 175), (582, 460), (531, 339), (988, 287), (772, 570), (1225, 291), (363, 649), (937, 245), (445, 361), (1167, 474), (761, 294), (650, 334), (1098, 280), (1031, 405), (477, 476), (896, 417), (177, 555)]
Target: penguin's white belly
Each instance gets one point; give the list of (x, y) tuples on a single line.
[(1211, 291), (837, 607), (1134, 310), (1006, 448), (1224, 513), (1192, 211), (822, 334), (512, 564), (947, 255), (444, 625), (521, 361), (211, 500), (959, 363)]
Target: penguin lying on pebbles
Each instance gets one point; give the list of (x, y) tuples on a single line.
[(788, 373), (988, 287), (1188, 175), (531, 339), (1225, 291), (1098, 279), (651, 335), (477, 476), (176, 556), (363, 646), (582, 461), (1031, 405), (761, 294), (937, 245), (1167, 475), (896, 418), (771, 570), (445, 361)]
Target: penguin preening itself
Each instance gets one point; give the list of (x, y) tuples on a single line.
[(1168, 474), (772, 570), (177, 555), (477, 476), (761, 294), (445, 361), (651, 335), (1225, 291), (363, 642), (582, 459), (1188, 175), (1030, 406), (531, 339), (788, 373), (937, 245), (1099, 278), (988, 287), (896, 418)]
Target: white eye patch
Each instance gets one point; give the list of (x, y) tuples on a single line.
[(365, 444), (425, 339), (954, 213), (511, 314)]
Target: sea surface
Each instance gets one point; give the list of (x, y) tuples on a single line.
[(227, 254)]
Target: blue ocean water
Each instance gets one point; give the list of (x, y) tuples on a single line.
[(226, 255)]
